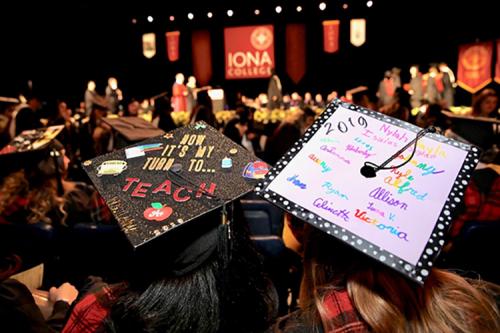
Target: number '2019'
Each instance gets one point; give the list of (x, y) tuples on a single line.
[(343, 127)]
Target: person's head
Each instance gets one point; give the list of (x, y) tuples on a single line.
[(113, 83), (307, 96), (433, 70), (91, 86), (133, 107), (39, 183), (318, 98), (414, 70), (443, 67), (485, 103), (191, 82), (34, 102), (182, 284), (307, 119), (385, 300), (387, 74), (63, 110), (179, 78)]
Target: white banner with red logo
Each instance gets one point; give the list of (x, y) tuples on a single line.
[(358, 32), (149, 45), (249, 52), (331, 36), (474, 66), (173, 45)]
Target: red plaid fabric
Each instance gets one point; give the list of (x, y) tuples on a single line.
[(88, 315), (16, 206), (99, 211), (478, 206), (342, 314)]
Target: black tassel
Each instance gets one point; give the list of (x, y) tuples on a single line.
[(224, 243)]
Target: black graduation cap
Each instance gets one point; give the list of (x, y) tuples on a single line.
[(29, 143), (385, 187), (129, 130), (164, 182)]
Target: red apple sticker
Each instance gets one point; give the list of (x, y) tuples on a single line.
[(157, 212)]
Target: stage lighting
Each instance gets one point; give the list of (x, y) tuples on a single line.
[(322, 6), (150, 19), (210, 15), (299, 9), (369, 4), (172, 18), (256, 12), (230, 13), (278, 9), (345, 6), (190, 16)]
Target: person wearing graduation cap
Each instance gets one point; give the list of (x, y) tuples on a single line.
[(355, 275), (36, 190), (192, 268)]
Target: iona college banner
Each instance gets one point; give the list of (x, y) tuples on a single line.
[(249, 52)]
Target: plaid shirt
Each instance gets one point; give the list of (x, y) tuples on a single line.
[(89, 313), (340, 313)]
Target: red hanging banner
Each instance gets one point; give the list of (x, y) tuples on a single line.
[(202, 56), (497, 67), (173, 45), (331, 36), (296, 51), (249, 52), (474, 66)]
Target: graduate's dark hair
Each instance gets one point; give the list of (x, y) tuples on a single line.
[(238, 298)]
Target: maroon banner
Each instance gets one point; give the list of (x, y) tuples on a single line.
[(474, 66), (296, 51), (249, 52), (202, 56), (497, 67), (331, 36), (173, 45)]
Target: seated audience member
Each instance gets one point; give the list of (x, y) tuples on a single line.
[(283, 136), (162, 116), (98, 131), (237, 130), (133, 107), (433, 117), (18, 310), (203, 110), (485, 104), (28, 117), (344, 290), (7, 107), (318, 101), (399, 107), (41, 193)]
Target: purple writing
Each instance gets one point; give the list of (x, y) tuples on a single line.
[(324, 204), (333, 150), (385, 140), (390, 131), (386, 196), (295, 181), (357, 150), (372, 208)]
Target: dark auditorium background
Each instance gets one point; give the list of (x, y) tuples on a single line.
[(60, 46)]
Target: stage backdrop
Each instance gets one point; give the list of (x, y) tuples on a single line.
[(249, 52)]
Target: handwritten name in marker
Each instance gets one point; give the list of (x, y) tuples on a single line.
[(361, 215), (372, 208), (405, 187), (331, 190), (295, 181), (386, 196), (380, 139), (322, 164), (388, 130), (363, 143), (325, 205), (427, 169), (357, 150), (333, 150), (430, 151)]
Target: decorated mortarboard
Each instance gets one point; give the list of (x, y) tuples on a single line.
[(167, 181), (386, 187), (133, 129), (31, 141)]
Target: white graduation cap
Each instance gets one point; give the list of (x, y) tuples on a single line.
[(383, 186)]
